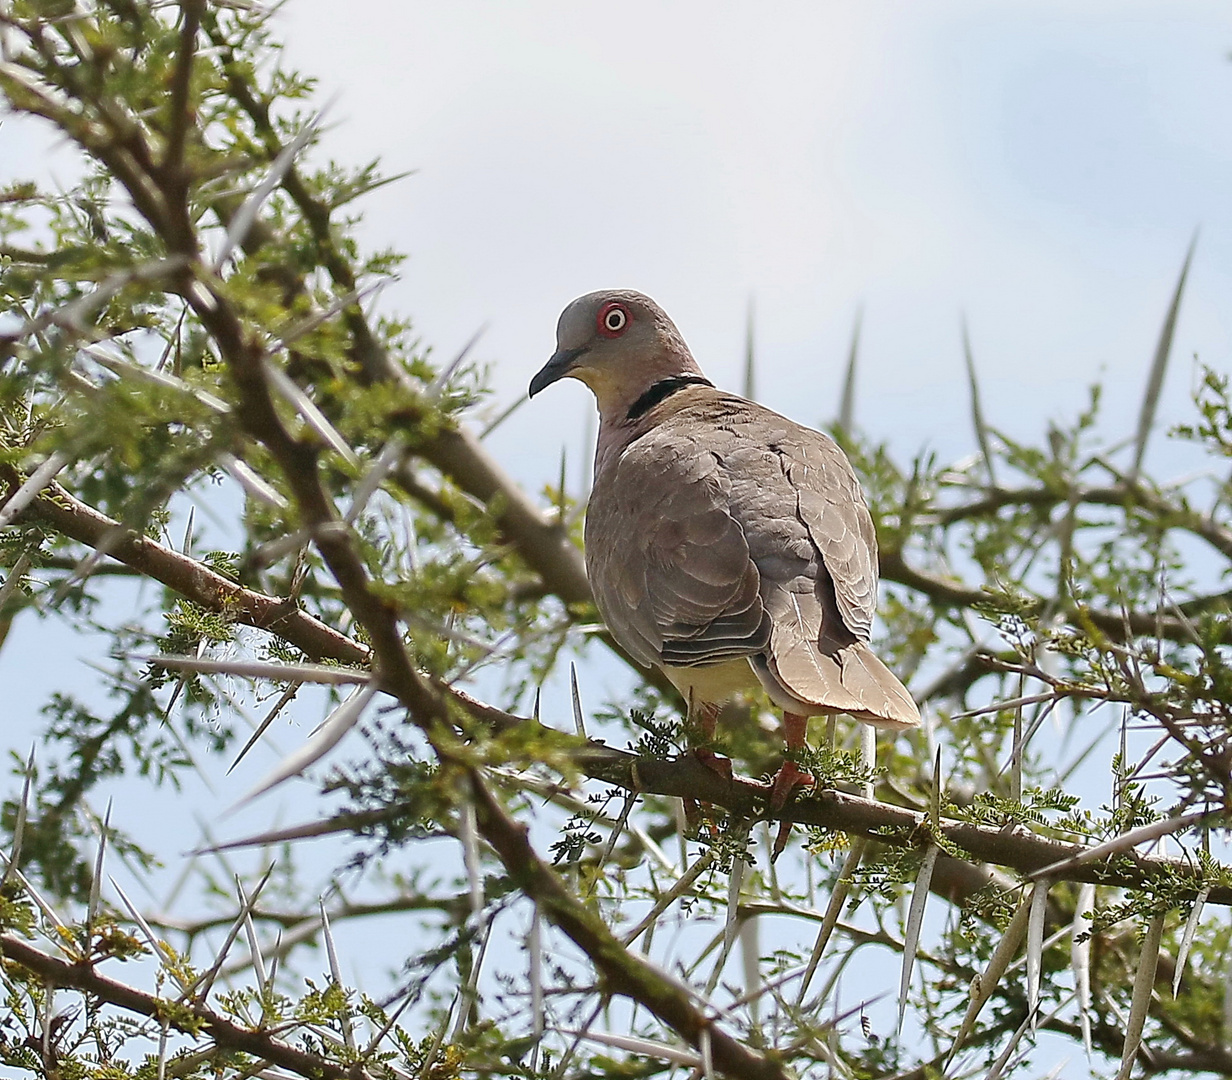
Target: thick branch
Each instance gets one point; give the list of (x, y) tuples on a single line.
[(955, 594), (61, 512), (1016, 848), (685, 777), (29, 256), (193, 1020), (180, 115), (1125, 495), (624, 973)]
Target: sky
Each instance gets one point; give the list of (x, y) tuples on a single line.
[(1037, 168)]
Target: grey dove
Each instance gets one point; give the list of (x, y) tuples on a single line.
[(725, 544)]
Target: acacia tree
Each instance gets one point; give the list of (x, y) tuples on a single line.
[(188, 326)]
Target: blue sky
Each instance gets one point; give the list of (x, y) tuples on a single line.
[(1037, 166), (1040, 167)]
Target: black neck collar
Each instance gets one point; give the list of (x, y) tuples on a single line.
[(664, 388)]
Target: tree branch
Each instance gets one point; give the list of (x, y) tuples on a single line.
[(1125, 494), (684, 777), (190, 1019), (670, 1001), (65, 514), (949, 593), (1016, 848)]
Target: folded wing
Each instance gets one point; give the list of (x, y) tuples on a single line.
[(724, 530)]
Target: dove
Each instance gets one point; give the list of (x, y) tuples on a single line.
[(725, 544)]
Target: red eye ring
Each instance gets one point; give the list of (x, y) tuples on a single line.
[(613, 318)]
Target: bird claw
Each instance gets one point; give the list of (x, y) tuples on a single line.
[(780, 840), (716, 763), (701, 814), (789, 777)]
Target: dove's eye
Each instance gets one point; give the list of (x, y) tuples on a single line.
[(613, 318)]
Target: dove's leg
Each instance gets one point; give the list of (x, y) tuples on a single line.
[(705, 717), (790, 776)]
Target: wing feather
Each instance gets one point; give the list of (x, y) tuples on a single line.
[(723, 530), (668, 564)]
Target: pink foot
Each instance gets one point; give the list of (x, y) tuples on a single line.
[(702, 814), (716, 763), (692, 814), (789, 777)]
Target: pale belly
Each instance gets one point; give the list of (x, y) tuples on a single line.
[(713, 683), (718, 683)]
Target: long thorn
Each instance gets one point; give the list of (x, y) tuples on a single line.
[(19, 826), (97, 881), (579, 723), (977, 411), (335, 972), (33, 487), (1144, 982), (241, 223), (847, 404), (915, 920), (750, 358), (1159, 365), (1080, 958), (1035, 945)]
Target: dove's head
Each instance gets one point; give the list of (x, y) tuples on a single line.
[(619, 343)]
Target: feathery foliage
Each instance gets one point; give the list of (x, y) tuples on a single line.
[(189, 329)]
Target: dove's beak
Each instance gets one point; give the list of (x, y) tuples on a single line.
[(562, 362)]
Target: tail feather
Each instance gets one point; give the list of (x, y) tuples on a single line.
[(846, 678), (886, 701)]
